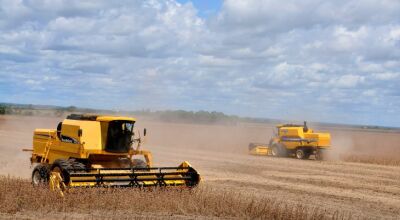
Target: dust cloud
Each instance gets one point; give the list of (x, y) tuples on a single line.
[(220, 138), (16, 134), (341, 145)]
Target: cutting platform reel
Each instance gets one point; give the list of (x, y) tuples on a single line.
[(66, 174)]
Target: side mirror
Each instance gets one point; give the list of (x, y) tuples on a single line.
[(144, 132)]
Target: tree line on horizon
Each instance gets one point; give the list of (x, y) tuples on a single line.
[(203, 117), (170, 116)]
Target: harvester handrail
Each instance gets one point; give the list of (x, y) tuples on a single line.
[(47, 148)]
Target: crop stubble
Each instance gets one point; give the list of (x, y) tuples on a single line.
[(235, 185)]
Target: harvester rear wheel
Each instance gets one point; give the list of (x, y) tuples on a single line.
[(40, 175)]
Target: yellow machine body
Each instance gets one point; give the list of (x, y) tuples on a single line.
[(93, 150), (83, 139), (297, 140)]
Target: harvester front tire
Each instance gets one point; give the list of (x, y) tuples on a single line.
[(40, 175), (301, 154), (275, 151), (138, 163), (62, 166), (278, 150), (77, 165)]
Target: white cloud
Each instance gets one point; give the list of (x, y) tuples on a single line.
[(347, 81), (215, 61), (256, 58), (387, 76), (346, 40), (72, 25), (285, 15)]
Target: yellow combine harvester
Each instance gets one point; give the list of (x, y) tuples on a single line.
[(93, 150), (294, 140)]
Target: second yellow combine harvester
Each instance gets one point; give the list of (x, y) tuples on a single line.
[(297, 140), (94, 150)]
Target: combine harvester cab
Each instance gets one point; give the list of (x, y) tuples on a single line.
[(294, 140), (98, 151)]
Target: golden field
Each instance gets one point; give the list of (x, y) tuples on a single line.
[(361, 179)]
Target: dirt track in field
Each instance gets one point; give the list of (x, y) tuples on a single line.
[(219, 153)]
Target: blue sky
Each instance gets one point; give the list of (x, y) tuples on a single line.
[(330, 61), (205, 8)]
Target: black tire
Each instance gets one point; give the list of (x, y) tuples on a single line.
[(77, 166), (301, 154), (124, 163), (275, 151), (283, 150), (279, 150), (40, 175), (307, 155), (139, 163), (63, 167)]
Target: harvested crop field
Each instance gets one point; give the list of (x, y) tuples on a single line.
[(361, 179)]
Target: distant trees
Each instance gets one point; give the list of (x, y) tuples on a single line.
[(29, 109), (173, 116), (71, 109), (4, 109), (203, 117)]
